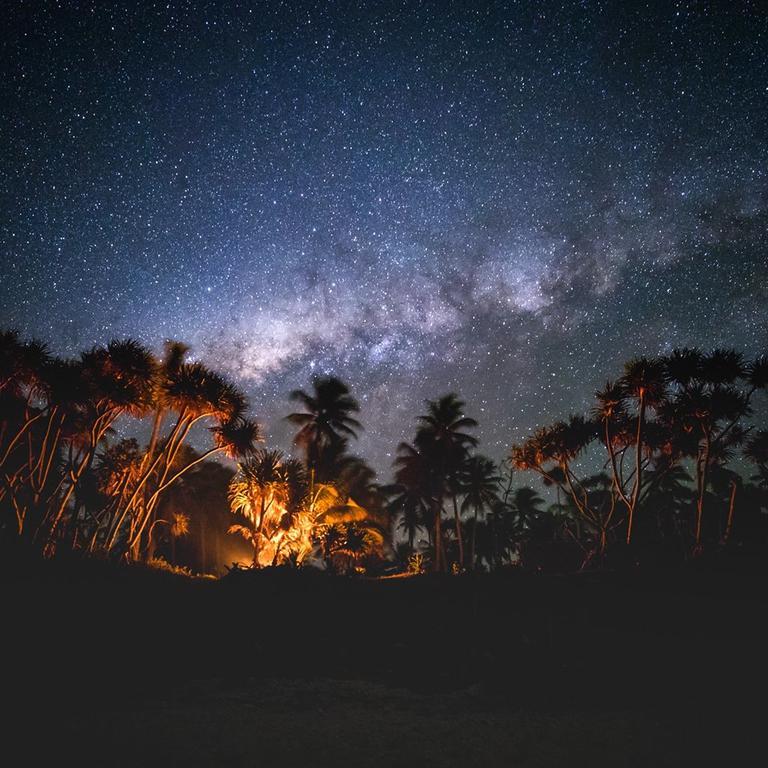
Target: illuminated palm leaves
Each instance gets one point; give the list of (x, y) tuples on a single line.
[(20, 363), (644, 381), (236, 438), (260, 483), (287, 517), (559, 444), (196, 391), (120, 377), (61, 411)]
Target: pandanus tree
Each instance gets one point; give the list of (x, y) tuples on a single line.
[(36, 392), (119, 380), (756, 451), (234, 436), (551, 453), (644, 385), (142, 386), (712, 397)]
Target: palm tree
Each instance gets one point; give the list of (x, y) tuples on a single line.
[(684, 367), (326, 422), (479, 482), (119, 379), (441, 438), (710, 409), (527, 504), (550, 452), (668, 494), (196, 394), (756, 451), (410, 495), (260, 491), (644, 382), (533, 525)]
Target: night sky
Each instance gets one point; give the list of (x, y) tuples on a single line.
[(507, 200)]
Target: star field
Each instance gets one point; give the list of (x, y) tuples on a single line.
[(507, 200)]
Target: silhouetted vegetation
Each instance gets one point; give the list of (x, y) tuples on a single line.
[(657, 471)]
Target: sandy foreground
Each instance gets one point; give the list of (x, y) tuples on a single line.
[(358, 723)]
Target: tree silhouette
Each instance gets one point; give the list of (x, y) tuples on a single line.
[(644, 383), (325, 424), (443, 442), (479, 482)]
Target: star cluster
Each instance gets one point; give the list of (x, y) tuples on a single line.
[(501, 199)]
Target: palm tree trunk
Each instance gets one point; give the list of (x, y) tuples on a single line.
[(731, 510), (438, 534), (459, 536), (153, 499)]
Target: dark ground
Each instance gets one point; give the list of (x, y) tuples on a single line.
[(124, 667)]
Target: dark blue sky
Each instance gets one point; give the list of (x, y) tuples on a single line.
[(503, 199)]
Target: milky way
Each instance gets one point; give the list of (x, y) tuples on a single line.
[(505, 200)]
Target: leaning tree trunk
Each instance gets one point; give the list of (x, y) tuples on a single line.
[(731, 510), (638, 465)]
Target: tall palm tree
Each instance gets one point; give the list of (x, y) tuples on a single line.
[(527, 504), (442, 438), (326, 422), (409, 496), (479, 482)]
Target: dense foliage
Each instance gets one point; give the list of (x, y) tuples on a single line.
[(659, 466)]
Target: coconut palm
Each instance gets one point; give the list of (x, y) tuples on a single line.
[(326, 422), (668, 495), (411, 493), (442, 439), (479, 481)]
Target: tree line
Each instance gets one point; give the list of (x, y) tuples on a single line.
[(657, 466)]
